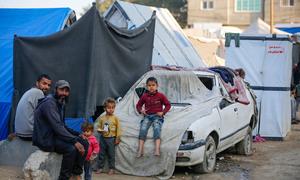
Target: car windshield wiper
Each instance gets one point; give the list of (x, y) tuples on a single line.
[(181, 104)]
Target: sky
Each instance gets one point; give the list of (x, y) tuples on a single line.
[(76, 5)]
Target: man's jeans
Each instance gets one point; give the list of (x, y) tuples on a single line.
[(156, 122), (72, 161), (107, 145)]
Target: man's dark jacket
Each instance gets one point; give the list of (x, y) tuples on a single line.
[(49, 125)]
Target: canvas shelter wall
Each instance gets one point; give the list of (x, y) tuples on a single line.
[(97, 58), (267, 62), (171, 46), (23, 22)]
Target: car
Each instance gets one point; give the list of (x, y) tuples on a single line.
[(211, 112), (230, 124)]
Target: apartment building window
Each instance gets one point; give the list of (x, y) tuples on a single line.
[(207, 4), (248, 5), (287, 3)]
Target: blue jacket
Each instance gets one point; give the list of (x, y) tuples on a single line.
[(49, 125)]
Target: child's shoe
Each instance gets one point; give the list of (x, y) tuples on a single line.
[(111, 172)]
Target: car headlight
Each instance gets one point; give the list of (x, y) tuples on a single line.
[(187, 137)]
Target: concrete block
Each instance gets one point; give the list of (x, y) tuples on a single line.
[(15, 152), (42, 166)]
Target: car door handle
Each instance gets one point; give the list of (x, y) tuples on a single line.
[(235, 109)]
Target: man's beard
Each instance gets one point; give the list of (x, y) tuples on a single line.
[(46, 92), (62, 99)]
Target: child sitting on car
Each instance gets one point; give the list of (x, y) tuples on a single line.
[(153, 112)]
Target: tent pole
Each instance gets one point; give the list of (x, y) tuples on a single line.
[(271, 16)]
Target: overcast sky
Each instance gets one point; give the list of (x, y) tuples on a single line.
[(76, 5)]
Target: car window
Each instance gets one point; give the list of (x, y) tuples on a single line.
[(140, 91), (207, 81), (223, 91)]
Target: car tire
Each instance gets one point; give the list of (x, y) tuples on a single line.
[(244, 147), (209, 159)]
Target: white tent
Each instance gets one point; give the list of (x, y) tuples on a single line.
[(171, 46), (260, 27), (267, 61)]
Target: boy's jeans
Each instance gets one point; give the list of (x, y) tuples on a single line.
[(156, 122), (107, 145)]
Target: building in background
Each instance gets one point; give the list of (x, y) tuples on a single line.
[(241, 13)]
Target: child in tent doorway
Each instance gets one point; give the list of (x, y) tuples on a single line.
[(153, 114), (87, 132), (109, 129)]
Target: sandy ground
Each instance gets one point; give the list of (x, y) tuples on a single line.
[(276, 160)]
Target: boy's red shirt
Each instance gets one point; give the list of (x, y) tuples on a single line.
[(153, 103)]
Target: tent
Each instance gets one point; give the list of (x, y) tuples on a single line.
[(210, 49), (171, 46), (289, 28), (97, 58), (267, 61), (260, 27), (25, 22)]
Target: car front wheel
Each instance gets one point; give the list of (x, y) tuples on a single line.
[(209, 159)]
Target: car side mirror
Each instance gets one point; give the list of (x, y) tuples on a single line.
[(140, 91)]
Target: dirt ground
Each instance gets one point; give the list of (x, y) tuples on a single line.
[(276, 160)]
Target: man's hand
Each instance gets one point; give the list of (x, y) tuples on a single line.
[(80, 148), (161, 114)]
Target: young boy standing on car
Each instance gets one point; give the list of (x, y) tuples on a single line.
[(153, 112)]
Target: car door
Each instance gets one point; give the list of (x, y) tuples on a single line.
[(228, 111)]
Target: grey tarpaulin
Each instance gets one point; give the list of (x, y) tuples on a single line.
[(193, 101), (98, 59)]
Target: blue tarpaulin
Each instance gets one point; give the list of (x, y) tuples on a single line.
[(291, 30), (22, 22)]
